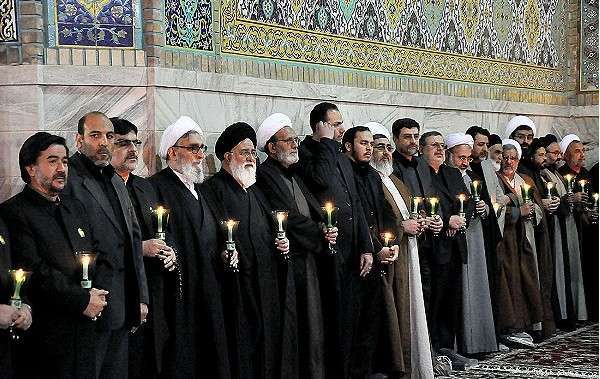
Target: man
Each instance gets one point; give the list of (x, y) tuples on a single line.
[(574, 156), (403, 347), (190, 298), (328, 174), (260, 299), (94, 183), (278, 179), (357, 142), (450, 250), (481, 143), (570, 304), (47, 231), (518, 292), (495, 151), (478, 334), (145, 346), (521, 129)]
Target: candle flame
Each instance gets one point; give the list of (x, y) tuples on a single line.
[(569, 177), (328, 207), (462, 197), (160, 210), (582, 183), (417, 199), (475, 183), (85, 260), (550, 185), (433, 200), (280, 216), (496, 207), (596, 197), (19, 276), (230, 224), (526, 187)]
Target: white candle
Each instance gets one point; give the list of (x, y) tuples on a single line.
[(159, 214), (230, 224), (280, 219), (462, 198), (85, 262)]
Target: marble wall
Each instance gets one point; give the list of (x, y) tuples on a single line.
[(53, 98)]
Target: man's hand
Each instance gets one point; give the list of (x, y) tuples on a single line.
[(24, 319), (96, 304), (526, 210), (435, 224), (388, 255), (325, 130), (481, 207), (283, 245), (230, 259), (366, 262), (8, 315), (456, 222), (143, 312), (580, 197), (330, 235), (168, 257), (412, 227), (152, 248)]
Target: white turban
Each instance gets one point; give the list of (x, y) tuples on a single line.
[(565, 142), (377, 128), (455, 139), (269, 127), (517, 121), (175, 131), (514, 143)]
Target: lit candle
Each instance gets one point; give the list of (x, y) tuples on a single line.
[(387, 237), (569, 178), (416, 200), (159, 214), (596, 197), (475, 185), (433, 205), (280, 219), (230, 225), (85, 262), (549, 187), (462, 199), (525, 192), (582, 184), (496, 208), (19, 277), (329, 211)]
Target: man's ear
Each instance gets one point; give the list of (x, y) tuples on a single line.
[(348, 147), (30, 171), (271, 148), (78, 140), (420, 149)]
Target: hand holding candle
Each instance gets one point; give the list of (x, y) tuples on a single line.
[(229, 227), (414, 206), (280, 218), (161, 221), (329, 212), (525, 192), (85, 259), (569, 179), (549, 187), (475, 190)]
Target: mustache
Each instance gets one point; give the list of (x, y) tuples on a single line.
[(103, 150), (60, 176), (132, 156)]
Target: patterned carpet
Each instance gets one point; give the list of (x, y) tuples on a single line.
[(568, 355)]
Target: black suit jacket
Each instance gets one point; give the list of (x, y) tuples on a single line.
[(45, 237), (115, 268), (450, 205), (303, 232), (422, 172)]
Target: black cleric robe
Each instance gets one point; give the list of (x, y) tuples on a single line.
[(5, 288), (588, 240), (285, 190), (196, 340), (328, 174), (259, 299), (380, 219), (45, 236)]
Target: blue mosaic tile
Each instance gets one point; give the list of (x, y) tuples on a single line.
[(8, 21), (107, 23), (189, 24)]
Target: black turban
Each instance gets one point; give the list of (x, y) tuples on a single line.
[(233, 135), (33, 146), (494, 139), (535, 144), (549, 139)]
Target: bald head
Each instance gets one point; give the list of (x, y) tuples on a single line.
[(95, 136)]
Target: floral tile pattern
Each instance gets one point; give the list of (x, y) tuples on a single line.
[(8, 21), (188, 24), (107, 23)]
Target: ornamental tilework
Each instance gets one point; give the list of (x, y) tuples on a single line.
[(516, 43), (189, 24), (589, 45), (8, 21), (106, 23)]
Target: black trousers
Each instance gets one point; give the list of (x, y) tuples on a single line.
[(112, 353)]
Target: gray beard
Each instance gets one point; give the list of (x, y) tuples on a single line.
[(495, 165), (287, 159), (195, 174), (383, 167), (246, 176)]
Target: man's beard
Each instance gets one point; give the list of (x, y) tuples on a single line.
[(93, 155), (385, 167), (192, 172), (495, 164), (47, 183), (246, 176), (287, 158)]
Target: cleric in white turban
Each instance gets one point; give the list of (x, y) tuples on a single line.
[(269, 127), (519, 122), (175, 131), (515, 144), (456, 139), (565, 142), (378, 130)]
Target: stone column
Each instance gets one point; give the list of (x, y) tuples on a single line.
[(154, 33)]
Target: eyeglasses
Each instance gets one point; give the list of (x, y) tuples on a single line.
[(289, 141), (194, 149), (552, 152), (524, 136), (127, 142), (383, 147), (247, 153), (507, 158), (465, 159), (438, 145)]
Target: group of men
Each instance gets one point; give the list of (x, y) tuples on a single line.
[(353, 253)]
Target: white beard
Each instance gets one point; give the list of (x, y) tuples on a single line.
[(495, 165), (193, 173), (287, 159), (385, 168), (246, 176)]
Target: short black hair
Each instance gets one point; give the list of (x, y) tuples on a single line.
[(81, 123), (549, 139), (475, 130), (495, 139), (350, 134), (123, 126), (319, 113), (33, 146), (401, 123), (424, 136)]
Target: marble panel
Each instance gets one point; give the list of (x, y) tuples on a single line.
[(10, 186), (449, 121), (20, 108), (167, 107)]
